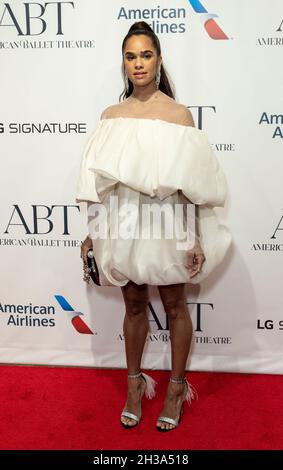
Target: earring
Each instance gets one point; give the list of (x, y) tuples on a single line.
[(157, 76)]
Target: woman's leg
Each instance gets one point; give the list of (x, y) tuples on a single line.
[(180, 325), (135, 332)]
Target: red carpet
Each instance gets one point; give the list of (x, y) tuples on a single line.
[(70, 408)]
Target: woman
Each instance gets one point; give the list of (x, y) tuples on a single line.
[(146, 149)]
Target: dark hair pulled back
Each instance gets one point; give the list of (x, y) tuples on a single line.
[(165, 85)]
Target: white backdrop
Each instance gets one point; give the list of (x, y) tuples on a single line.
[(60, 68)]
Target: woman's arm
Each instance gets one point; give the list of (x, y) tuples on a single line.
[(87, 243), (195, 255)]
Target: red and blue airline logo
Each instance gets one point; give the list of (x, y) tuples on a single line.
[(79, 325), (210, 25)]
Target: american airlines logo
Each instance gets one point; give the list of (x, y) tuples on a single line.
[(75, 317), (211, 26)]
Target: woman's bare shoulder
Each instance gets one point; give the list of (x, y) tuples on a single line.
[(178, 112), (182, 115), (112, 111)]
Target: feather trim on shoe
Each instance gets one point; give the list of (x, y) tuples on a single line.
[(150, 386), (191, 393)]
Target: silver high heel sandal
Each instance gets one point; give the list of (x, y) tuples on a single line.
[(149, 391), (189, 394)]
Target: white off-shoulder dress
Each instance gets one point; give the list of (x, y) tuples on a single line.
[(142, 161)]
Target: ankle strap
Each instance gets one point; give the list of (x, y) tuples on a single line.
[(178, 381), (134, 376)]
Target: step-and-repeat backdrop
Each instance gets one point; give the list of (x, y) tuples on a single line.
[(60, 68)]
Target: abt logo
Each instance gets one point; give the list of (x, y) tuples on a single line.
[(200, 308), (39, 221), (29, 18)]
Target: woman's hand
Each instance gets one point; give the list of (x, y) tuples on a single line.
[(85, 246), (195, 259)]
